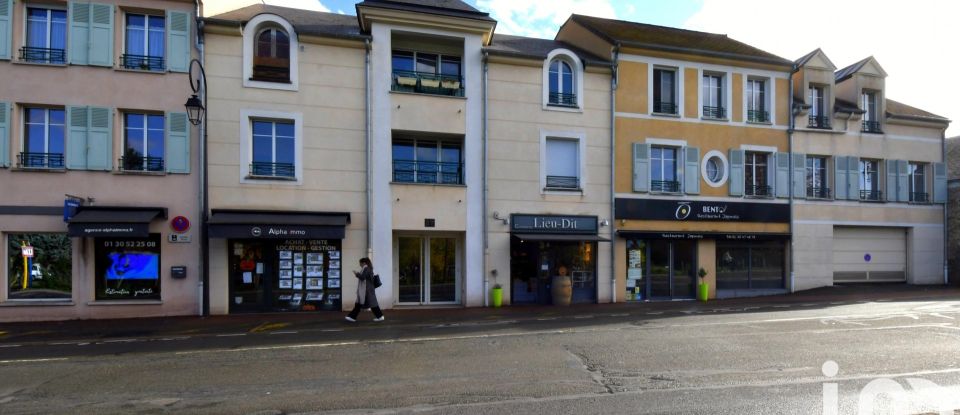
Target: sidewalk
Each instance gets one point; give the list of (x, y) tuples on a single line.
[(261, 323)]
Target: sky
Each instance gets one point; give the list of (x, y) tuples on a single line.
[(912, 41)]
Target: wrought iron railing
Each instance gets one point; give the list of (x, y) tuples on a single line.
[(871, 127), (141, 62), (818, 192), (919, 197), (758, 190), (818, 121), (875, 195), (563, 182), (666, 186), (664, 107), (265, 169), (714, 112), (410, 171), (427, 83), (43, 55), (139, 163), (758, 116), (563, 100), (40, 160)]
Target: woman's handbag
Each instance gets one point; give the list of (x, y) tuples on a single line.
[(376, 281)]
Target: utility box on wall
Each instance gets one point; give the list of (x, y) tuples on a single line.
[(178, 272)]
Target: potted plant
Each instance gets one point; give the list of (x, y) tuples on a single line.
[(703, 289), (497, 295)]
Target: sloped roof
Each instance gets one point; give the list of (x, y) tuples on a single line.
[(900, 110), (806, 58), (305, 22), (452, 8), (647, 36), (840, 105), (529, 47), (846, 73)]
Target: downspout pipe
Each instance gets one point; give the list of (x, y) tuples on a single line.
[(946, 227), (204, 306), (613, 171), (366, 149), (486, 222), (791, 123)]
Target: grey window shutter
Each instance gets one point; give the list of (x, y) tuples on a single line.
[(4, 134), (840, 177), (799, 175), (691, 172), (79, 38), (177, 143), (6, 28), (939, 183), (903, 177), (853, 178), (892, 180), (641, 167), (79, 120), (101, 35), (735, 183), (178, 41), (100, 139), (783, 175)]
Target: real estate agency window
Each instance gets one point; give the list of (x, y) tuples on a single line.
[(757, 101), (664, 91), (143, 146), (562, 163), (427, 161), (274, 149), (713, 96), (43, 138), (918, 183), (48, 272), (817, 178), (144, 42), (271, 55), (663, 169), (46, 36), (127, 268), (756, 174), (870, 180)]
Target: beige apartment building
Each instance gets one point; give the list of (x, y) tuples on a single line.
[(98, 166)]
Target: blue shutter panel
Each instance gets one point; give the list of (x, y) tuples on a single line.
[(177, 143), (735, 183), (101, 35), (800, 175), (4, 134), (783, 175), (178, 41), (691, 172), (641, 167), (77, 120), (939, 183), (79, 38), (840, 177), (100, 139), (6, 28)]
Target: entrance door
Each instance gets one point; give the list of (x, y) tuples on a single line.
[(427, 270), (672, 266)]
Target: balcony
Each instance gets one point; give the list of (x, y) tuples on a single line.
[(662, 107), (427, 172), (818, 192), (40, 160), (563, 182), (872, 127), (714, 112), (265, 170), (758, 191), (138, 163), (563, 100), (871, 195), (919, 197), (43, 55), (758, 116), (427, 83), (818, 121), (665, 186), (142, 63)]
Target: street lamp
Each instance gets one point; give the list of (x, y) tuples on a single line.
[(195, 109), (196, 112)]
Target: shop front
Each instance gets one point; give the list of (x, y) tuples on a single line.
[(548, 250), (282, 261)]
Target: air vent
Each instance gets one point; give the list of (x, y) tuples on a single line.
[(81, 13), (101, 14), (78, 117), (178, 22), (99, 117)]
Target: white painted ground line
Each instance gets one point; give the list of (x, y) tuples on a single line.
[(7, 346), (232, 335), (56, 359), (283, 332)]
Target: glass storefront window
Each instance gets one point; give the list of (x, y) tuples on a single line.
[(750, 266), (534, 264), (127, 268), (636, 269), (50, 270), (285, 275)]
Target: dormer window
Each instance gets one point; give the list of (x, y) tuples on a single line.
[(562, 77), (818, 108), (871, 121), (271, 56), (562, 84)]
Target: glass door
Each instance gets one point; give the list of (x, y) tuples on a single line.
[(684, 268), (670, 267), (659, 269), (443, 270), (410, 268), (427, 270)]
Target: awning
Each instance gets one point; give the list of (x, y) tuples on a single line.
[(113, 221), (558, 237), (278, 225)]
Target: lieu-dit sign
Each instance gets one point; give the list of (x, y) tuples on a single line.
[(26, 251)]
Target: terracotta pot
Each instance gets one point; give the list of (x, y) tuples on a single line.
[(562, 290)]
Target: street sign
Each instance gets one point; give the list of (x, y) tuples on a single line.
[(26, 251), (178, 239), (70, 206), (180, 224)]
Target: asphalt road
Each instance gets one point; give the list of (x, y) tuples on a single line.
[(736, 359)]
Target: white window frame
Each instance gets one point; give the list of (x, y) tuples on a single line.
[(824, 180), (145, 115), (250, 32), (747, 95), (910, 185), (576, 64), (677, 157), (725, 168), (723, 100), (46, 128), (146, 39), (816, 110), (861, 169), (48, 8), (580, 138), (247, 116), (676, 89)]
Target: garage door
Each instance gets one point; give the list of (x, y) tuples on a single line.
[(869, 254)]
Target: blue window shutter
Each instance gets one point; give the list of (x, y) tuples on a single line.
[(78, 121), (782, 182), (101, 35), (177, 143), (641, 167), (939, 183), (800, 175), (691, 172), (79, 38), (6, 28), (4, 134), (735, 183), (903, 177), (100, 139), (840, 177), (178, 41), (892, 182)]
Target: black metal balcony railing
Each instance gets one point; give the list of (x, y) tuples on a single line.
[(265, 169), (875, 195), (427, 83), (138, 163), (714, 112), (663, 107), (563, 182), (758, 190), (872, 127), (666, 186), (40, 160), (818, 121), (43, 55), (919, 197), (409, 171), (563, 100), (758, 116), (818, 192), (141, 62)]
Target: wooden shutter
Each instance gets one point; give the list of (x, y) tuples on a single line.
[(79, 38), (641, 167), (939, 183), (903, 178), (892, 180), (177, 143), (101, 35), (853, 178), (4, 134), (840, 190), (691, 172), (800, 175), (782, 179), (6, 28), (78, 120), (178, 41), (100, 139), (735, 183)]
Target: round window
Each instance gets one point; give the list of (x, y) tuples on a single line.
[(714, 168)]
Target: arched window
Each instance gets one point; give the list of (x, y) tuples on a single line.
[(271, 58), (562, 84)]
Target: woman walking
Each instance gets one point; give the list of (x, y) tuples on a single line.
[(366, 292)]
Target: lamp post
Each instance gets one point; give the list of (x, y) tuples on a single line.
[(197, 113)]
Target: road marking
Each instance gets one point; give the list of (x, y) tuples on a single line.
[(546, 318), (942, 316), (583, 317), (268, 327), (283, 332), (167, 339), (331, 330), (232, 335), (121, 341), (620, 315), (5, 346), (64, 343), (55, 359)]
